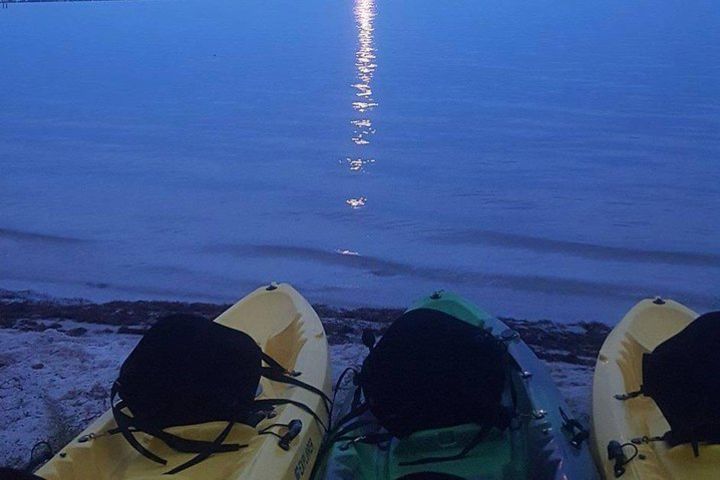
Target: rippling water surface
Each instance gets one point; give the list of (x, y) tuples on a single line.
[(549, 159)]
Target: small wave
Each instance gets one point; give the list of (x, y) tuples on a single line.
[(445, 276), (578, 249), (21, 235)]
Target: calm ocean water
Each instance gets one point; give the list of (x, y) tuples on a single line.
[(554, 159)]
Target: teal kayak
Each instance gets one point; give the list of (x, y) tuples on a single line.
[(544, 442)]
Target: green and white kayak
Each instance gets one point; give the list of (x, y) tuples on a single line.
[(543, 442)]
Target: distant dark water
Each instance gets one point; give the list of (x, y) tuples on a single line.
[(548, 159)]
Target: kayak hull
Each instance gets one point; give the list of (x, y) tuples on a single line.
[(536, 448), (619, 370), (286, 327)]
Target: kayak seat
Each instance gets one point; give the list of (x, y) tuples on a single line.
[(680, 375), (432, 370), (279, 331), (643, 336), (188, 371), (267, 447)]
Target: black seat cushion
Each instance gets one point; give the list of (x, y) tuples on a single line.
[(432, 370), (188, 370), (682, 376)]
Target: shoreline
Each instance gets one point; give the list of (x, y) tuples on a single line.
[(23, 309)]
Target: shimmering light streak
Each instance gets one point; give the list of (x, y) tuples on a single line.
[(365, 66)]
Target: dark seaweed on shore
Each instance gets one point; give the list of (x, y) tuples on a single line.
[(15, 306), (576, 343)]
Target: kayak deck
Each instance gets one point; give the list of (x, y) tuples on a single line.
[(499, 456)]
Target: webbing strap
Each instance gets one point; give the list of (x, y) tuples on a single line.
[(186, 445), (124, 422), (128, 425), (334, 435), (374, 438), (629, 395), (213, 447), (277, 376), (338, 435), (274, 363), (183, 445), (354, 413)]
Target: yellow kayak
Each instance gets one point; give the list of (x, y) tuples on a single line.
[(284, 326), (633, 425)]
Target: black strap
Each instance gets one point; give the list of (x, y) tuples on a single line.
[(276, 372), (277, 376), (337, 433), (178, 443), (484, 429), (357, 397), (374, 438), (352, 414), (213, 447), (629, 395), (124, 422), (279, 373), (349, 428), (335, 392), (183, 445), (186, 445), (127, 426), (275, 364), (271, 402)]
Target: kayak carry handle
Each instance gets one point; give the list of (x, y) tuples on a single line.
[(294, 429), (615, 452)]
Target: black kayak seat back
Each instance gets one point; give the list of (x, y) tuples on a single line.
[(188, 370), (432, 370), (681, 376)]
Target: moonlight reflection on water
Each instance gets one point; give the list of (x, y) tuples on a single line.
[(364, 102)]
